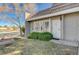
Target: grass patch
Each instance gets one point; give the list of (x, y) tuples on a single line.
[(37, 47)]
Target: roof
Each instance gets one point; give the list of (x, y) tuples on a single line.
[(57, 7)]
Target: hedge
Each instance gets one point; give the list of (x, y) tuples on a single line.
[(33, 35), (45, 36)]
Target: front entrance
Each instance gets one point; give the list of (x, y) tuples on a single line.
[(56, 27)]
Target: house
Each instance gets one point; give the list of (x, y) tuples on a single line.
[(62, 20)]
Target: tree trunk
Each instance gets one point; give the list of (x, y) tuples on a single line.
[(20, 31)]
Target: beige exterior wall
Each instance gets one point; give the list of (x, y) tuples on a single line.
[(46, 25), (71, 26)]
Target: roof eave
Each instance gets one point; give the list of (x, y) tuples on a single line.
[(76, 9)]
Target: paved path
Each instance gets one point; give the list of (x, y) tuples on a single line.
[(13, 53)]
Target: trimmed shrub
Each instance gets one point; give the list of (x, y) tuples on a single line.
[(33, 35), (45, 36)]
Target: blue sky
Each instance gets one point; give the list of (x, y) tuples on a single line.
[(40, 6)]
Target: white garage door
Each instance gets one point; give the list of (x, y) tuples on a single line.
[(56, 27), (71, 27)]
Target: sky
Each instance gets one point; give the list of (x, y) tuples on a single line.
[(42, 6), (39, 7)]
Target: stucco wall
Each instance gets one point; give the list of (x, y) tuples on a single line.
[(71, 26)]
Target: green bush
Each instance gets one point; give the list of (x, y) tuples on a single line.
[(45, 36), (23, 29), (33, 35)]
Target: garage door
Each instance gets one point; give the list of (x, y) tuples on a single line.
[(56, 27), (71, 26)]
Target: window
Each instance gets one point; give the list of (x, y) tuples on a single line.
[(46, 25), (32, 26), (41, 28), (60, 17), (36, 28)]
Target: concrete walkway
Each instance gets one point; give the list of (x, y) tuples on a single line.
[(65, 42), (4, 42)]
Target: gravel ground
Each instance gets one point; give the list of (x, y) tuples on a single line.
[(36, 47)]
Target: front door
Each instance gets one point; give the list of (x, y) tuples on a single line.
[(56, 28)]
